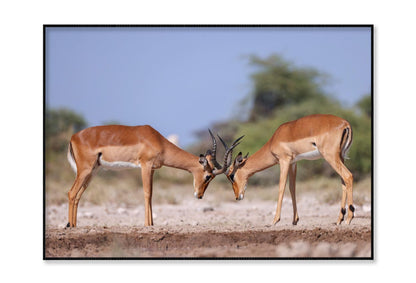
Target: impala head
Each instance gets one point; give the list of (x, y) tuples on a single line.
[(210, 167), (237, 178)]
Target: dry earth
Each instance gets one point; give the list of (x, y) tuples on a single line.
[(208, 228)]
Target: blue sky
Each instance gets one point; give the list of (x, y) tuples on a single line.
[(180, 80)]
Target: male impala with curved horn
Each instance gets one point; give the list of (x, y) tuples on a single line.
[(311, 137), (119, 147)]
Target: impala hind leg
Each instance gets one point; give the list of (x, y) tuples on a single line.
[(84, 174), (74, 194), (80, 192), (292, 188), (337, 164), (343, 201), (147, 178), (284, 169)]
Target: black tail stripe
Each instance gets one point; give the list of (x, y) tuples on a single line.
[(343, 135)]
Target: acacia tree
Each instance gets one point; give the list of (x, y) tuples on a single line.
[(278, 83)]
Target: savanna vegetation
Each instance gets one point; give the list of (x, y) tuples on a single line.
[(281, 92)]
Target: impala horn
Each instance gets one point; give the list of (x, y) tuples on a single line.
[(227, 156), (213, 152)]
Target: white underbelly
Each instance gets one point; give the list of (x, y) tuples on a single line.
[(118, 165), (310, 155)]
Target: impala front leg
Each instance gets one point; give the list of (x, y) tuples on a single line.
[(292, 188), (147, 178), (284, 169)]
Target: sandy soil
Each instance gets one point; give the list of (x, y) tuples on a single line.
[(201, 228)]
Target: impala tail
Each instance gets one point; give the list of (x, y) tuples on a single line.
[(71, 158), (346, 141)]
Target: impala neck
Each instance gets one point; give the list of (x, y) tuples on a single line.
[(260, 160), (178, 158)]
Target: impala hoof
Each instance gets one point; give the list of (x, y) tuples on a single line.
[(350, 214)]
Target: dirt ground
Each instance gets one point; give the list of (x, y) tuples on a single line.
[(208, 229)]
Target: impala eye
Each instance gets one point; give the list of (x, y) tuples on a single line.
[(207, 178)]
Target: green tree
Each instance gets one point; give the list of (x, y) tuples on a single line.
[(61, 120), (60, 125), (278, 83)]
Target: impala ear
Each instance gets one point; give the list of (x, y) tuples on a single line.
[(203, 160), (240, 160)]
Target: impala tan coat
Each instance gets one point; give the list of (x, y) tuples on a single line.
[(311, 137), (118, 147)]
